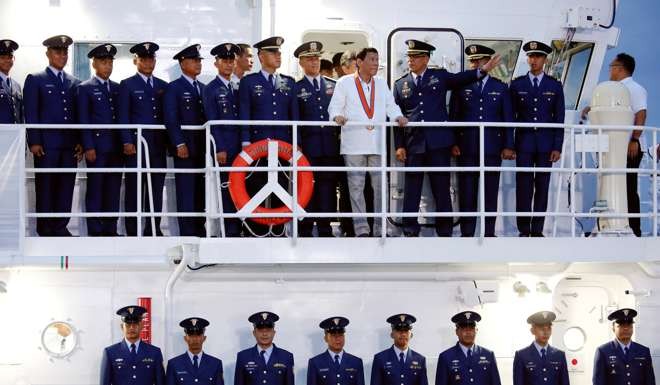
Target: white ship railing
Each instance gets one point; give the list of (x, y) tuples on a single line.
[(212, 180)]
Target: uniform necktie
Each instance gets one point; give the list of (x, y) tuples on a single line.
[(401, 361), (337, 360), (543, 354), (196, 86), (61, 77), (625, 351), (483, 84), (149, 82), (536, 83), (263, 356), (418, 80), (195, 361), (469, 353), (9, 86), (316, 88), (106, 85), (133, 352), (271, 80)]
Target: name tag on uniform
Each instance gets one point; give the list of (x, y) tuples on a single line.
[(494, 93), (323, 369), (186, 93), (522, 92), (351, 369), (181, 372), (148, 359), (549, 93), (433, 80), (138, 92), (279, 365), (119, 359)]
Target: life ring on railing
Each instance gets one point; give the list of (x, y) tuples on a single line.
[(258, 150)]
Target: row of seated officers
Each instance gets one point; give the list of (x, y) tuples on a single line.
[(55, 97), (134, 362)]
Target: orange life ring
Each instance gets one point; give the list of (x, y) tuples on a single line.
[(258, 150)]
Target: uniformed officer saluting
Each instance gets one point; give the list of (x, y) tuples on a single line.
[(536, 98), (487, 100), (540, 363), (194, 366), (221, 103), (399, 365), (49, 98), (421, 94), (319, 143), (334, 366), (265, 363), (132, 361), (183, 106), (141, 102), (622, 361), (267, 95), (467, 362), (11, 96), (97, 100)]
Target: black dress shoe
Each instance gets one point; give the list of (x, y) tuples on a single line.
[(523, 235), (410, 234), (363, 235), (537, 235)]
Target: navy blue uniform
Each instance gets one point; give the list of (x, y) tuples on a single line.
[(120, 367), (474, 103), (386, 369), (183, 106), (47, 100), (427, 146), (11, 103), (613, 367), (180, 371), (320, 144), (97, 105), (455, 368), (140, 103), (530, 369), (542, 104), (261, 100), (221, 103), (322, 370), (251, 370)]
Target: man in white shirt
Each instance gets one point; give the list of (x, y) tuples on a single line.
[(621, 70), (363, 97)]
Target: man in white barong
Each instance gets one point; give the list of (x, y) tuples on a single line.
[(362, 97)]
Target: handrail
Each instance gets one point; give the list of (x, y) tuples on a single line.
[(212, 171)]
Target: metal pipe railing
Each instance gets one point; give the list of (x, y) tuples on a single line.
[(211, 169)]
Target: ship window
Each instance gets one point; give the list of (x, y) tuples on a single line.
[(82, 66), (508, 49), (571, 67), (333, 43)]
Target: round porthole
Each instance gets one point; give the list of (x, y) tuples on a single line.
[(574, 339), (59, 339)]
